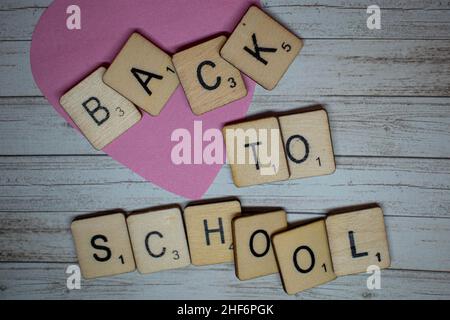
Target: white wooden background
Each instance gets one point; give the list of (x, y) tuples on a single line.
[(388, 96)]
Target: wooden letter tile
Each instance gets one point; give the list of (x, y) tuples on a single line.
[(144, 74), (103, 246), (208, 80), (255, 152), (209, 232), (99, 112), (159, 240), (253, 253), (261, 48), (358, 240), (304, 257), (308, 145)]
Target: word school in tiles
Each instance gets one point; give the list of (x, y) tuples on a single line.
[(260, 244)]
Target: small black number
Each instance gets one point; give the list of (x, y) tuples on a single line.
[(318, 160), (232, 82), (378, 257), (324, 266), (176, 255), (121, 260), (121, 112), (170, 69), (286, 46)]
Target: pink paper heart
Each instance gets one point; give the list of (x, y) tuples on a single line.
[(60, 58)]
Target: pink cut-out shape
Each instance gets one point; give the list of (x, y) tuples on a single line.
[(60, 58)]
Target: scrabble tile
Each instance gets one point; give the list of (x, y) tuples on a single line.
[(103, 246), (159, 240), (209, 81), (308, 145), (100, 113), (255, 152), (144, 74), (304, 257), (261, 48), (358, 240), (208, 227), (253, 252)]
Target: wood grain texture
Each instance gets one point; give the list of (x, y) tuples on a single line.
[(159, 240), (261, 48), (358, 240), (415, 243), (308, 144), (303, 256), (209, 233), (361, 126), (310, 19), (255, 152), (324, 68), (407, 187), (209, 82), (100, 113), (143, 73), (48, 281), (377, 87), (253, 252), (103, 246)]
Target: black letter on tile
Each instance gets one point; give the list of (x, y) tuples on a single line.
[(252, 238), (255, 152), (99, 247), (288, 149), (313, 259), (355, 254), (258, 50), (144, 83), (208, 231), (147, 238), (200, 77), (93, 111)]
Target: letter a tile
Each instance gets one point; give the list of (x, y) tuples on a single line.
[(144, 74), (303, 256), (358, 240), (100, 113), (261, 48), (103, 246), (159, 240), (208, 80), (208, 227)]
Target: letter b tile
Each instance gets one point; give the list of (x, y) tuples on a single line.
[(209, 81), (100, 113), (358, 240), (159, 240), (103, 246), (261, 48), (303, 256), (209, 232)]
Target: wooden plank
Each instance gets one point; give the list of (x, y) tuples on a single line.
[(48, 281), (403, 187), (309, 19), (324, 68), (415, 243), (361, 126)]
